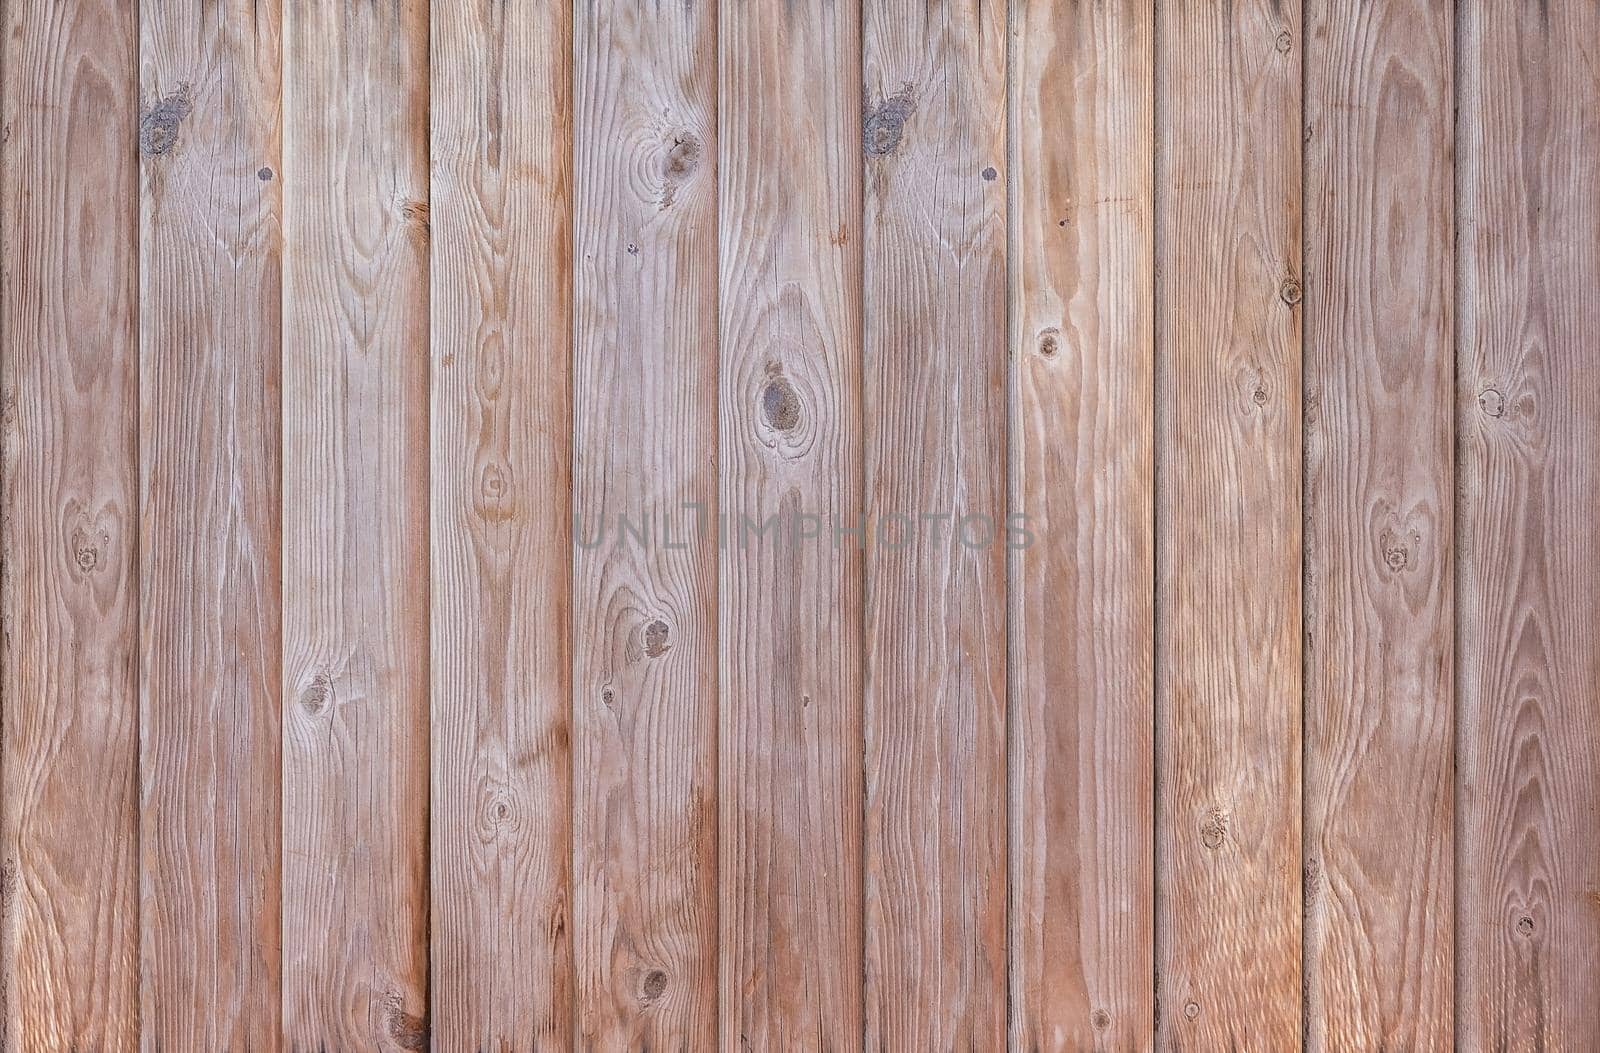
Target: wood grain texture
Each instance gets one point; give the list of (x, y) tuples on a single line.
[(69, 882), (790, 205), (501, 526), (1379, 356), (644, 593), (1528, 878), (509, 540), (1228, 672), (935, 401), (210, 445), (1082, 807), (355, 526)]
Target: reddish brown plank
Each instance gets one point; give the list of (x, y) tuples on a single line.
[(211, 284), (1379, 525), (1082, 802), (790, 607), (1528, 877), (1228, 661), (355, 526), (645, 450), (69, 882), (501, 526), (935, 405)]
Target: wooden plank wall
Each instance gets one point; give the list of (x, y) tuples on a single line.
[(607, 525)]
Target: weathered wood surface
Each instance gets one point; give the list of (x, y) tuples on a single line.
[(1228, 419), (1081, 766), (210, 446), (645, 503), (790, 599), (501, 527), (355, 526), (1528, 406), (69, 533), (935, 395), (1379, 622), (435, 443)]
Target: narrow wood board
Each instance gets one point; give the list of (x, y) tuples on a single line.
[(1379, 525), (935, 403), (1228, 672), (644, 590), (1528, 860), (210, 443), (69, 883), (1082, 591), (355, 526), (501, 526), (791, 603)]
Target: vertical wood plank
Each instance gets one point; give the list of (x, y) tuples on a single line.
[(69, 884), (935, 399), (355, 420), (1528, 395), (790, 202), (502, 557), (1228, 522), (211, 285), (1379, 525), (645, 500), (1082, 802)]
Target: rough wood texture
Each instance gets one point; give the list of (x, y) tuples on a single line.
[(1228, 674), (644, 619), (69, 883), (791, 460), (355, 396), (935, 392), (1528, 937), (210, 445), (371, 676), (1379, 520), (501, 526), (1082, 598)]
